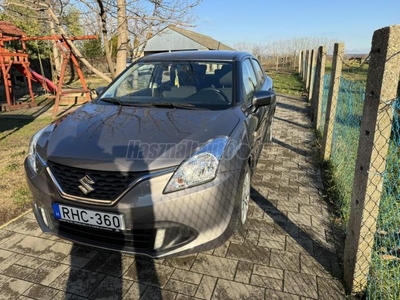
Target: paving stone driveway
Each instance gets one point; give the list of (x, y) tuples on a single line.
[(287, 253)]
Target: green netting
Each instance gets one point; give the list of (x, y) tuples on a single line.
[(384, 273), (384, 276), (327, 81), (345, 138)]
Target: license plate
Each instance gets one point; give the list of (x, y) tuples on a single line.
[(88, 217)]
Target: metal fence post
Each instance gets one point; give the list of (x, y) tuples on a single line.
[(318, 89), (381, 90), (332, 100)]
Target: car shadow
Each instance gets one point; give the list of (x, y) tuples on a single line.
[(292, 123), (304, 153), (298, 98), (293, 108), (304, 236), (102, 274)]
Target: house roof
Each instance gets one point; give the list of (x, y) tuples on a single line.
[(9, 29), (202, 39)]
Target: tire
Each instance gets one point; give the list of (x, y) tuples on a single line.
[(243, 199), (269, 133)]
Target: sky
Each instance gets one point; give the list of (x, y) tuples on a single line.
[(264, 21)]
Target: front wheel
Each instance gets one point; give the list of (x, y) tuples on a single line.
[(269, 133), (245, 195), (242, 200)]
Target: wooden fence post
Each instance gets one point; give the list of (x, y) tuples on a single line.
[(318, 90), (381, 90), (312, 74), (332, 100)]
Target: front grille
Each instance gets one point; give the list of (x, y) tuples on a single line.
[(107, 185), (142, 239)]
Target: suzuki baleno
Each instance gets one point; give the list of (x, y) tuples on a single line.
[(160, 163)]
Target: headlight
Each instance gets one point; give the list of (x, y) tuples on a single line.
[(32, 147), (199, 168)]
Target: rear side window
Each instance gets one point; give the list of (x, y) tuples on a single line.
[(259, 70), (249, 81)]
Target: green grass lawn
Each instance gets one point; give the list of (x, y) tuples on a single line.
[(288, 83), (15, 135)]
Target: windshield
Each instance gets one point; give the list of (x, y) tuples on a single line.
[(175, 84)]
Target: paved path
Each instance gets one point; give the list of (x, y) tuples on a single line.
[(287, 253)]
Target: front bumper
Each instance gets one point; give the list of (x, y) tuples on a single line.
[(192, 220)]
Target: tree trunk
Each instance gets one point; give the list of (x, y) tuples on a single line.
[(56, 57), (122, 36), (107, 50), (75, 49)]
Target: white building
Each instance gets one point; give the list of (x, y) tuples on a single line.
[(173, 38)]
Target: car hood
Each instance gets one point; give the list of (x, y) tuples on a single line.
[(126, 139)]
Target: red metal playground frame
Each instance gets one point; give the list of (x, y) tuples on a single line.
[(20, 61)]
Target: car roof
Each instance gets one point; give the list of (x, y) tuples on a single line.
[(217, 55)]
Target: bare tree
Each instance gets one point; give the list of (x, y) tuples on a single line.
[(132, 22), (104, 31), (74, 48), (142, 20), (258, 51), (122, 36), (148, 17), (283, 53)]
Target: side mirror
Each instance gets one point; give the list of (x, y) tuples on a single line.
[(100, 89), (263, 98)]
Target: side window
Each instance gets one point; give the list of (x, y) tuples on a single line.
[(259, 70), (249, 81)]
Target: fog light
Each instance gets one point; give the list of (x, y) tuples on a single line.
[(44, 216), (160, 235), (184, 232)]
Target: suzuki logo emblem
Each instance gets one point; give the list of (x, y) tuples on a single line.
[(86, 183)]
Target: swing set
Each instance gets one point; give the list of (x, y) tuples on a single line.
[(19, 60)]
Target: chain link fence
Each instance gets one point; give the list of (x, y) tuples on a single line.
[(384, 273), (324, 103), (345, 136)]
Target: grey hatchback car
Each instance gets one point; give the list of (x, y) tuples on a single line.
[(160, 163)]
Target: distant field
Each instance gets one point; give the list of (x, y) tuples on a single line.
[(353, 72)]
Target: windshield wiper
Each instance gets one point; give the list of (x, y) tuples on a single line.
[(125, 103), (113, 100), (151, 104), (176, 105)]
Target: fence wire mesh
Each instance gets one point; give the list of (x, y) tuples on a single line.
[(327, 80), (384, 274), (345, 136), (384, 270)]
